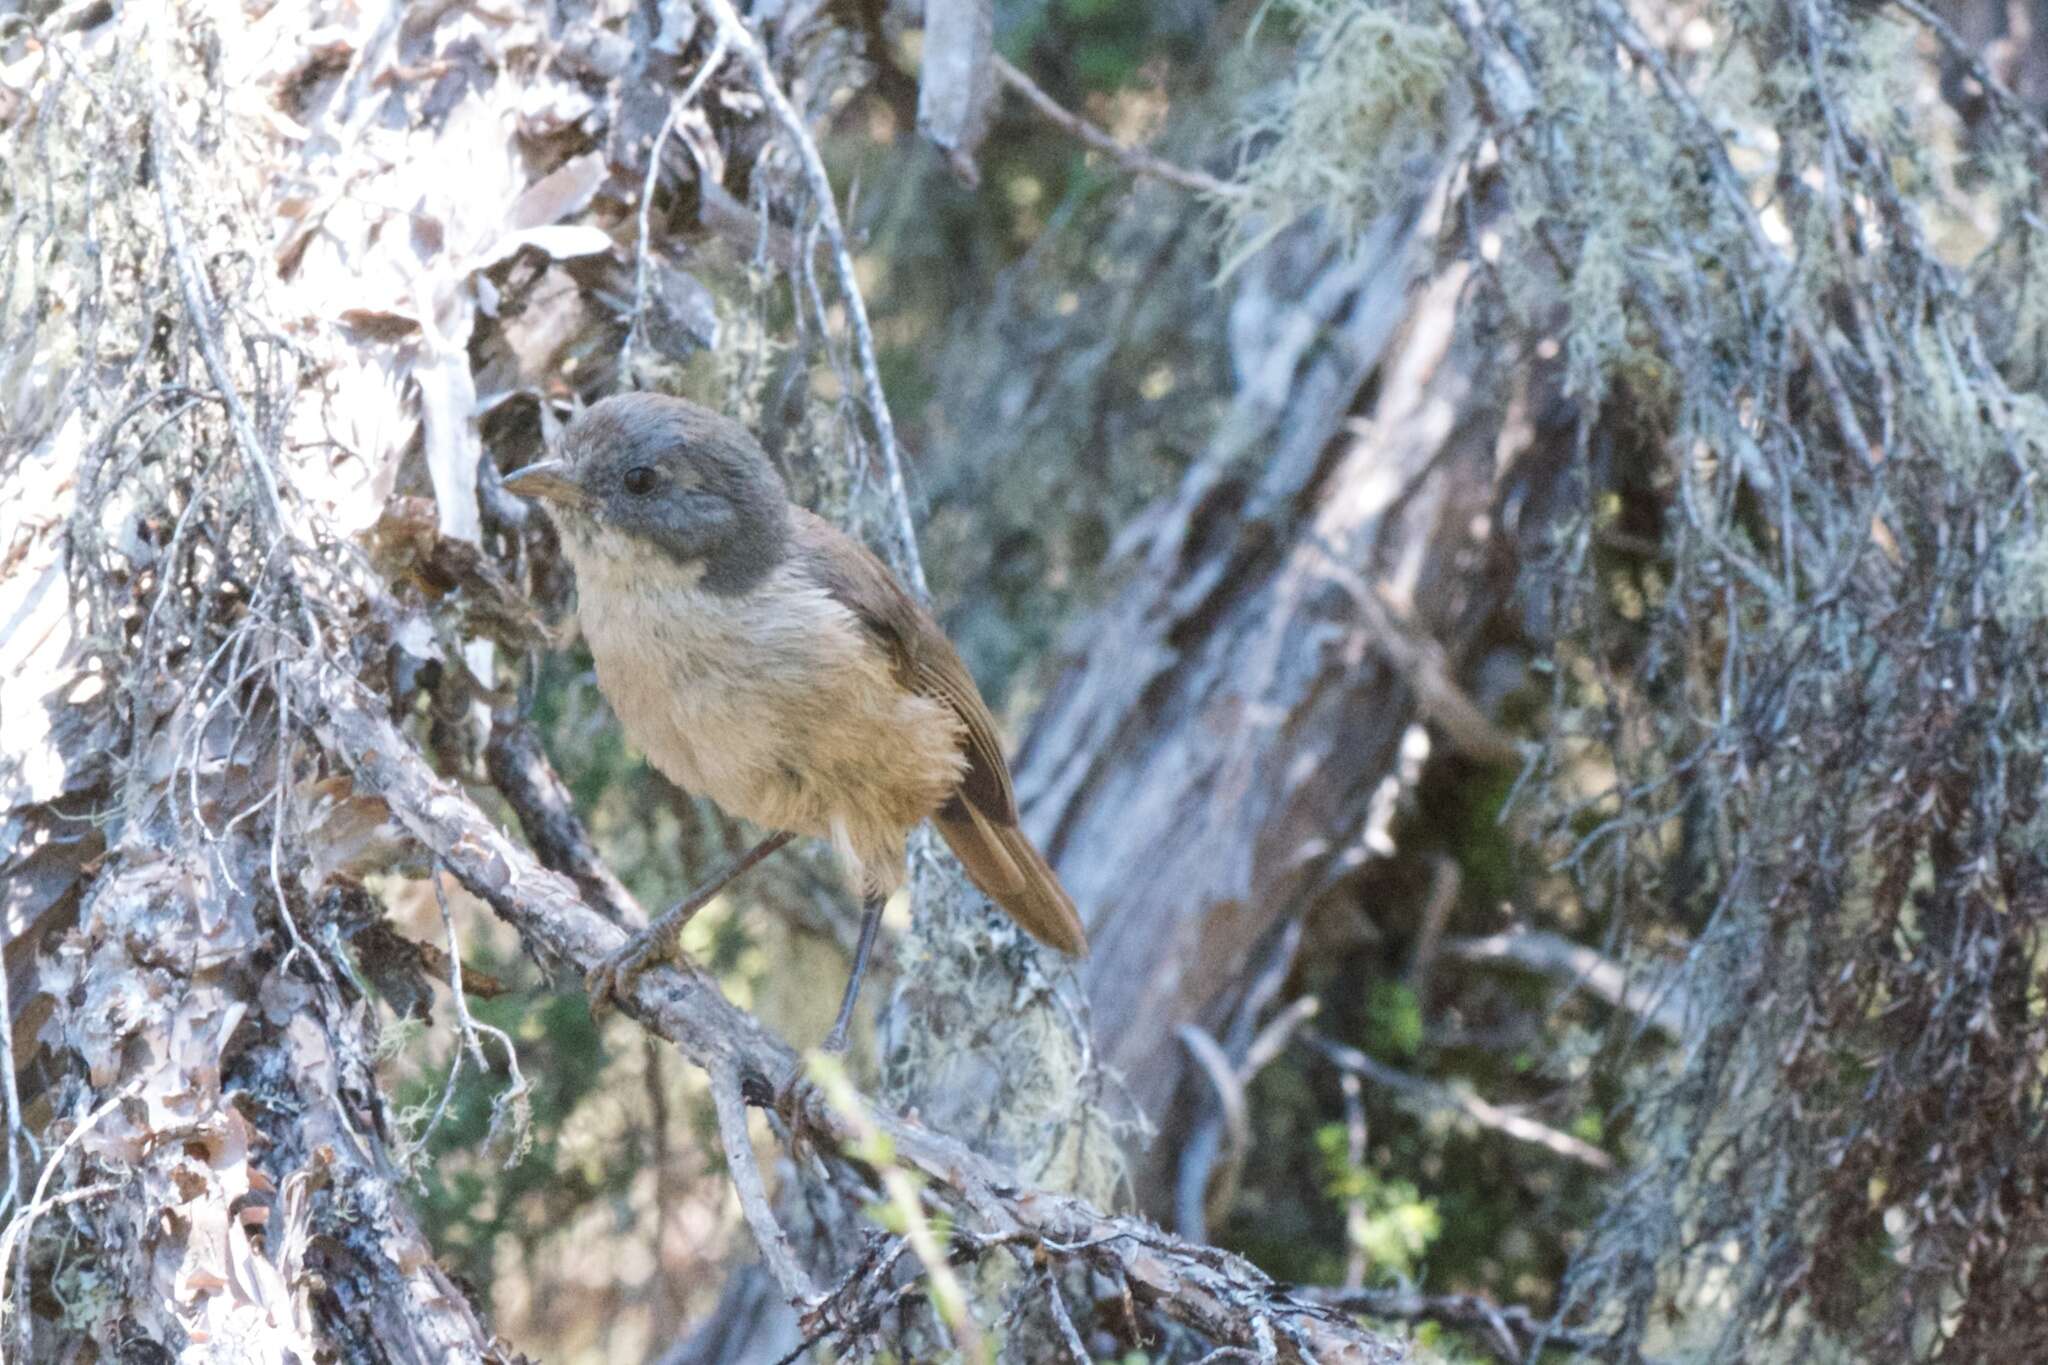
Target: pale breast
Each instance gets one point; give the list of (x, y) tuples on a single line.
[(774, 704)]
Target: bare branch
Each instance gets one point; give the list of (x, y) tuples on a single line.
[(24, 1220), (1212, 1160), (1510, 1331), (1661, 1004), (11, 1092), (637, 322), (1209, 1291), (1444, 880), (1132, 159), (1711, 149), (1354, 1150), (1214, 1155), (199, 313), (538, 796), (1482, 1112), (1065, 1320), (1952, 42), (1422, 664), (1272, 1040), (776, 1250)]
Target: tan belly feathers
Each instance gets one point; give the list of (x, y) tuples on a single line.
[(798, 725)]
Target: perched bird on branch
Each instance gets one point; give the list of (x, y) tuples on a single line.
[(767, 660)]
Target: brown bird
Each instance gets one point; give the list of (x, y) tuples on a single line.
[(765, 659)]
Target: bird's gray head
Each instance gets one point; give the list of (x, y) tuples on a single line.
[(643, 473)]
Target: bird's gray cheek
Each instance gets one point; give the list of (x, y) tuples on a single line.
[(693, 527)]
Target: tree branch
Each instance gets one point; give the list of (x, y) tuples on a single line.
[(1994, 89), (1214, 1293), (776, 1250), (1482, 1112), (1132, 159), (1510, 1331), (1660, 1004)]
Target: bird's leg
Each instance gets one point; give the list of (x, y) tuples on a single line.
[(835, 1041), (870, 920), (611, 978)]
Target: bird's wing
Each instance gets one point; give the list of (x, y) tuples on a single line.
[(980, 821), (926, 661)]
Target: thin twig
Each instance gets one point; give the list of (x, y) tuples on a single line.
[(776, 1251), (13, 1096), (1660, 1003), (23, 1223), (1444, 880), (1213, 1159), (949, 1299), (513, 1097), (1065, 1320), (742, 40), (636, 324), (1482, 1112), (1422, 664), (1709, 144), (1355, 1134), (197, 312), (1508, 1329), (1132, 159), (1273, 1039)]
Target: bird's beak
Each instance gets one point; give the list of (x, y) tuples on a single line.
[(547, 479)]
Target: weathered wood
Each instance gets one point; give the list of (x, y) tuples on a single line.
[(1208, 758)]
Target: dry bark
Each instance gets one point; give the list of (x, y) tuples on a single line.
[(1208, 761)]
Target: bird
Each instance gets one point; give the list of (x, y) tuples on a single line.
[(761, 657)]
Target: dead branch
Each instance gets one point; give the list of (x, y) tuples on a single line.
[(1132, 159), (1444, 880), (775, 1245), (1212, 1292), (1424, 667), (1482, 1112), (1960, 52), (1206, 1185), (521, 772), (1512, 1332), (636, 323), (1660, 1003), (1355, 1135)]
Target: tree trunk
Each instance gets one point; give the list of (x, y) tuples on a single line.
[(1208, 761)]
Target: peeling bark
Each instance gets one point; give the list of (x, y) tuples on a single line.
[(1207, 762)]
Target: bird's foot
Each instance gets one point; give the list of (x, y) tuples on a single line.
[(793, 1098), (610, 980), (790, 1099)]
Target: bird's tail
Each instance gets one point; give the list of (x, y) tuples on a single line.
[(1002, 862)]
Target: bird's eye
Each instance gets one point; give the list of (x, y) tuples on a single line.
[(639, 480)]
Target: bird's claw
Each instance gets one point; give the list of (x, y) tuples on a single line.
[(792, 1103), (608, 982)]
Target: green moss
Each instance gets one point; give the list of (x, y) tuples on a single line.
[(1365, 100)]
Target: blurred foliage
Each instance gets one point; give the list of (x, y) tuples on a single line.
[(1388, 1219)]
